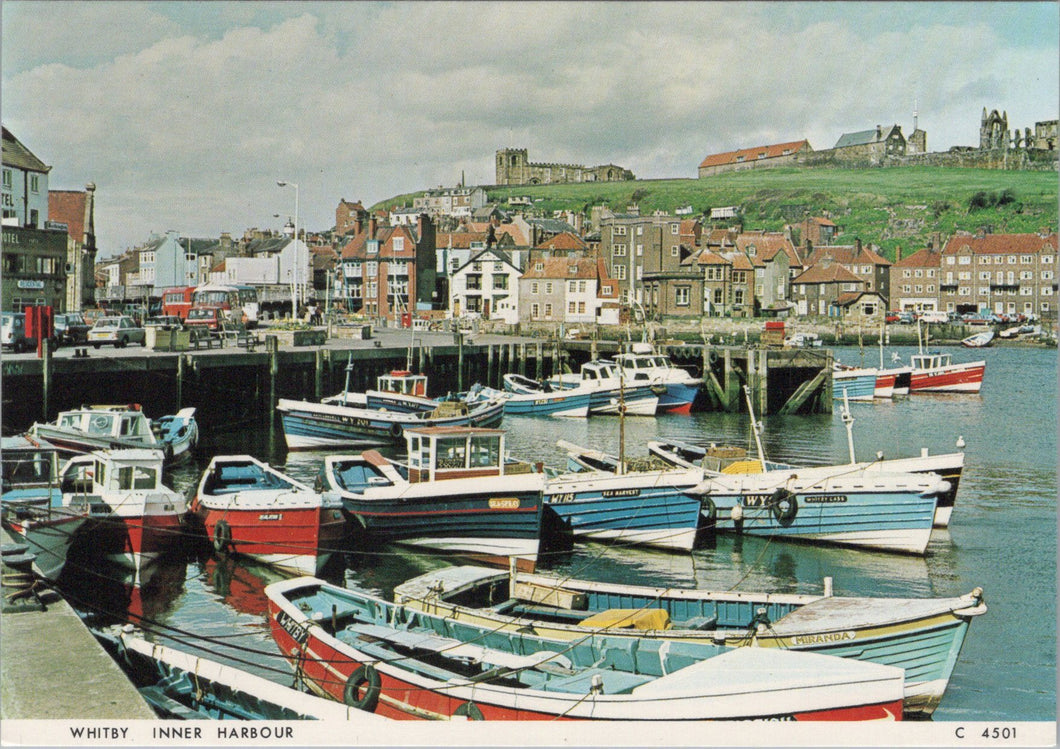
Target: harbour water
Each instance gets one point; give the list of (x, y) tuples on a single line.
[(1002, 535)]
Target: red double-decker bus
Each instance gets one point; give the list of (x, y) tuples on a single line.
[(177, 301)]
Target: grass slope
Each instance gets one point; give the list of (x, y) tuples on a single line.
[(885, 206)]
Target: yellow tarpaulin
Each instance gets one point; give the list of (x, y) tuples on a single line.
[(743, 466), (629, 619)]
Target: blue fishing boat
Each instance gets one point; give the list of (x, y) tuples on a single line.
[(178, 433), (457, 492), (645, 508), (313, 426), (525, 397), (676, 387), (853, 383), (921, 635)]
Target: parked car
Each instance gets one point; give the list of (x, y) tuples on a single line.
[(120, 331), (71, 328), (935, 316), (906, 317), (136, 311), (211, 318), (165, 322), (892, 317), (13, 332)]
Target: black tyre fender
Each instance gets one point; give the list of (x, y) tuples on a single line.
[(365, 676), (396, 430), (708, 510), (470, 711), (222, 537), (785, 506)]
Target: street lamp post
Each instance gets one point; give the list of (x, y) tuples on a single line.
[(297, 252)]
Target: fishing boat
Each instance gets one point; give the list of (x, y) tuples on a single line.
[(614, 503), (855, 383), (935, 372), (248, 507), (840, 505), (313, 426), (134, 516), (179, 431), (922, 636), (401, 663), (397, 390), (978, 340), (182, 686), (456, 492), (109, 427), (611, 392), (644, 365), (526, 397)]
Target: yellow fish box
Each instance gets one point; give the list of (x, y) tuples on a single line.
[(629, 619)]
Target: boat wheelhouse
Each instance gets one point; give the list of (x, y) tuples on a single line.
[(935, 372), (457, 492), (611, 392), (29, 472), (644, 366), (114, 427)]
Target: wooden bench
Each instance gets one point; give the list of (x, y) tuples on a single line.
[(202, 337)]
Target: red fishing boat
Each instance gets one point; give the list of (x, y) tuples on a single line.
[(250, 508)]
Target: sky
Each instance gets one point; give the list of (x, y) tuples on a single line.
[(185, 114)]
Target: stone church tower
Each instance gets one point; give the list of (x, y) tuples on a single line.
[(993, 131)]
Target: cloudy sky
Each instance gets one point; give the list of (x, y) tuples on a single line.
[(185, 114)]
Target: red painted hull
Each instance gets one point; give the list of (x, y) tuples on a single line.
[(301, 539), (326, 670), (681, 408), (956, 378)]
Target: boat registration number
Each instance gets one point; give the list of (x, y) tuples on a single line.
[(271, 516), (292, 627), (504, 503), (557, 499), (756, 500), (825, 498)]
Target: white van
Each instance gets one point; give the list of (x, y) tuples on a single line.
[(935, 316), (13, 331)]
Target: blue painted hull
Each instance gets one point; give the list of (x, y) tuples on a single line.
[(547, 404), (678, 397), (650, 515), (605, 401), (305, 426), (859, 387), (886, 520)]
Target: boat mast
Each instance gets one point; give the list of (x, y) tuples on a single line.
[(621, 421), (848, 422), (349, 369), (754, 428)]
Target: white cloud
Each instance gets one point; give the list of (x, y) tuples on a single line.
[(184, 114)]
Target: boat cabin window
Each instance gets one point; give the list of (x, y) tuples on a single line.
[(100, 423), (137, 477), (452, 452), (660, 361), (27, 468), (485, 451), (70, 421), (419, 452), (589, 374)]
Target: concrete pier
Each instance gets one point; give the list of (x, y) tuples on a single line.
[(51, 667)]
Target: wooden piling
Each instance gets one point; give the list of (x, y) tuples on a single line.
[(539, 360), (46, 354)]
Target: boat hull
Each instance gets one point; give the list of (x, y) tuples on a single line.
[(638, 509), (678, 398), (312, 426), (548, 404), (955, 378), (301, 540), (860, 386), (637, 401), (48, 535)]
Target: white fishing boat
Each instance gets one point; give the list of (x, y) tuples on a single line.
[(644, 365), (112, 427), (611, 392)]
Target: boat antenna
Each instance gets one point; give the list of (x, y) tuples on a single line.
[(621, 421), (754, 427), (349, 369), (848, 422), (881, 344)]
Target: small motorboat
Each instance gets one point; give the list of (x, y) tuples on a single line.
[(400, 662), (612, 392), (678, 387), (526, 397), (134, 517), (248, 507), (48, 533), (112, 427), (927, 632), (979, 340), (854, 383)]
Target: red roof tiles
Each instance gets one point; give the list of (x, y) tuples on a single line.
[(754, 154)]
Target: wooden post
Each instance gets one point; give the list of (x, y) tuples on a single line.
[(522, 359), (273, 348), (460, 362), (539, 363), (180, 381), (318, 372), (489, 366)]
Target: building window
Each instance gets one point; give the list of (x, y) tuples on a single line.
[(675, 251), (572, 286), (906, 273), (984, 275), (548, 310), (674, 229), (640, 250), (7, 178), (1047, 275), (620, 272), (964, 260), (719, 296), (1026, 259), (533, 288), (619, 250), (1047, 259), (539, 266), (34, 183), (535, 310), (919, 273), (620, 231), (640, 272), (1011, 259), (682, 295), (548, 287), (571, 306)]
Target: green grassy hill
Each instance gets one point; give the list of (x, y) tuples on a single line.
[(886, 206)]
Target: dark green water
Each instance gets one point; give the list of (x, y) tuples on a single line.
[(1002, 535)]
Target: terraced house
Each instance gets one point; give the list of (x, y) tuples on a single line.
[(568, 290), (387, 271), (1001, 273)]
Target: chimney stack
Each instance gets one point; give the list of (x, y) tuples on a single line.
[(371, 226), (898, 253), (879, 132), (857, 246)]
